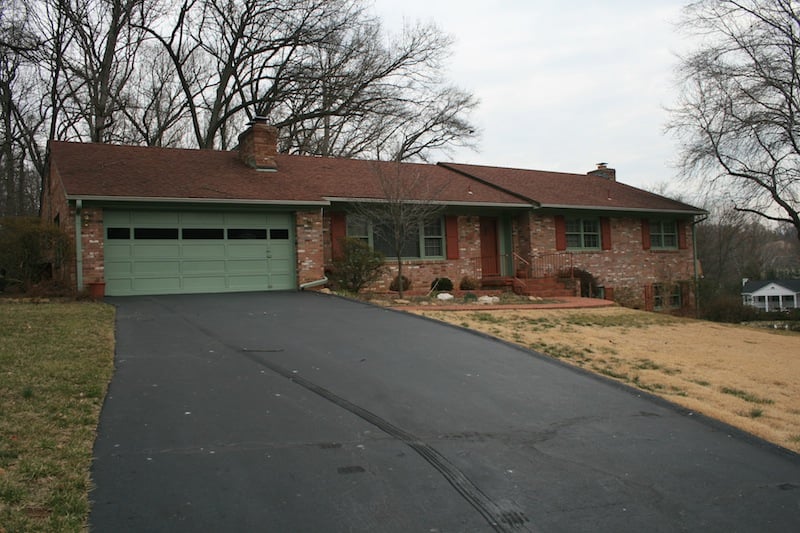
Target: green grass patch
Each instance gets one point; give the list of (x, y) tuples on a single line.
[(626, 320), (755, 412), (486, 317), (56, 360), (746, 396)]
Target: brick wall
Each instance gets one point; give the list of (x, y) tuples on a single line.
[(423, 272), (626, 268), (310, 246), (92, 245), (56, 209)]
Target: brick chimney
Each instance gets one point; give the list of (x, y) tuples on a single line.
[(258, 145), (604, 172)]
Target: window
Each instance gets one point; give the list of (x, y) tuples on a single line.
[(245, 233), (664, 234), (583, 233), (278, 234), (666, 296), (427, 242), (155, 233), (118, 233), (203, 233)]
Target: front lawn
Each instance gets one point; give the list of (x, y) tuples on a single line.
[(56, 360)]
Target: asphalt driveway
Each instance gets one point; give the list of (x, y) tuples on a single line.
[(298, 412)]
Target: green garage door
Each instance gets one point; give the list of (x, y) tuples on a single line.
[(169, 252)]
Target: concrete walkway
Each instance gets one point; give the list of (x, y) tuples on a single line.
[(568, 302)]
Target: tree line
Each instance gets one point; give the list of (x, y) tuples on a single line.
[(193, 73)]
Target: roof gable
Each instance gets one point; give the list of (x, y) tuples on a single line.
[(765, 287)]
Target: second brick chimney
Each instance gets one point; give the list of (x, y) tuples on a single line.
[(258, 145), (603, 171)]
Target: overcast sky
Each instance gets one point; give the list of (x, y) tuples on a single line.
[(563, 85)]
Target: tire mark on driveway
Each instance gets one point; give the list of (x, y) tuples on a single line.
[(502, 520)]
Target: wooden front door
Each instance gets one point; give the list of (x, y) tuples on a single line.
[(490, 262)]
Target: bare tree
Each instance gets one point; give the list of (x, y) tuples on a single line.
[(356, 96), (398, 217), (738, 114)]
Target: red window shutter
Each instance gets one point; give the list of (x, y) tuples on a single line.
[(645, 234), (561, 232), (451, 234), (605, 233), (682, 235), (338, 232)]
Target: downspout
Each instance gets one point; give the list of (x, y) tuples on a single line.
[(694, 265), (78, 246), (312, 284)]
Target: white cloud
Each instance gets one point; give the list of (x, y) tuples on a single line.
[(563, 85)]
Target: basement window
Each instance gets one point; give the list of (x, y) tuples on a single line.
[(666, 297)]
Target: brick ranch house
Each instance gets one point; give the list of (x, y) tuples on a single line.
[(150, 220)]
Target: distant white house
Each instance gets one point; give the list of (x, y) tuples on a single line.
[(771, 295)]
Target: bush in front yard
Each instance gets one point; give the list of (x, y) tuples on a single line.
[(728, 308), (357, 266), (395, 285), (469, 284), (442, 284), (30, 251)]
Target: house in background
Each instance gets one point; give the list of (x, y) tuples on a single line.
[(150, 220), (771, 295)]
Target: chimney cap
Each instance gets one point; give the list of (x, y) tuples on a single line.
[(602, 165), (258, 119)]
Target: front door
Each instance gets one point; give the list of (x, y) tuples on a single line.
[(490, 262)]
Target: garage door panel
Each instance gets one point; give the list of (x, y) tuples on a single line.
[(214, 250), (240, 266), (157, 251), (158, 268), (154, 218), (203, 267), (153, 252), (157, 285), (204, 283), (244, 282), (257, 249), (202, 220)]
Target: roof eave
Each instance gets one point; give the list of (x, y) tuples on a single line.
[(695, 212), (167, 199), (432, 202)]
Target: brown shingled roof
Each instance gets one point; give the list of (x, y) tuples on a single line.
[(141, 173), (151, 173), (576, 191)]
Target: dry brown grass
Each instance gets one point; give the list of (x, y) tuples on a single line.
[(746, 377)]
